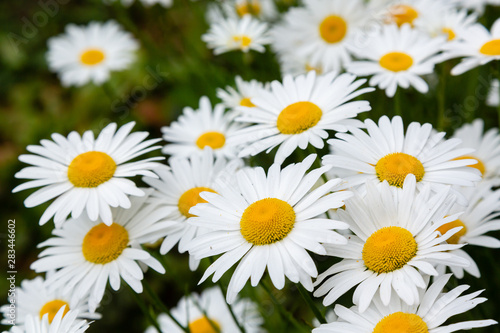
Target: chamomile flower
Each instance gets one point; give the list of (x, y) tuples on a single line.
[(292, 64), (268, 221), (243, 34), (429, 315), (386, 153), (178, 189), (416, 13), (87, 174), (262, 9), (450, 23), (209, 313), (89, 53), (63, 322), (395, 241), (87, 254), (396, 57), (197, 129), (242, 95), (299, 112)]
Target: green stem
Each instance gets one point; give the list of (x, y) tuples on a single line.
[(307, 297), (442, 99), (397, 103), (144, 309)]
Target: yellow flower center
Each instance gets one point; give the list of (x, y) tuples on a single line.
[(91, 169), (104, 244), (298, 117), (401, 14), (243, 40), (214, 140), (248, 7), (479, 165), (389, 249), (191, 198), (247, 102), (52, 308), (203, 325), (396, 61), (450, 33), (456, 237), (491, 48), (317, 69), (267, 221), (396, 166), (400, 322), (333, 29), (92, 57)]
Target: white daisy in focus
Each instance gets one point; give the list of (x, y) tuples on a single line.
[(268, 221), (494, 93), (429, 315), (395, 241), (299, 112), (396, 57), (35, 299), (242, 95), (243, 34), (87, 174), (209, 313), (89, 53), (178, 189), (63, 322), (87, 254), (450, 23), (196, 129)]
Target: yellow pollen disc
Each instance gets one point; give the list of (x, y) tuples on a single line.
[(454, 224), (401, 14), (479, 165), (396, 61), (400, 322), (267, 221), (317, 69), (248, 7), (214, 140), (91, 169), (450, 33), (333, 29), (203, 325), (491, 48), (389, 249), (104, 244), (244, 40), (52, 308), (191, 198), (92, 57), (396, 166), (247, 102), (298, 117)]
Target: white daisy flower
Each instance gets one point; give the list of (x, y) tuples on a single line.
[(87, 174), (63, 322), (178, 189), (395, 241), (242, 95), (89, 53), (268, 221), (87, 254), (434, 309), (35, 299), (196, 129), (486, 148), (292, 64), (243, 34), (209, 313), (416, 13), (387, 153), (299, 112), (396, 57), (450, 23), (262, 9)]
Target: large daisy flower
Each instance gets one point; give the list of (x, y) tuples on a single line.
[(395, 241), (178, 189), (242, 95), (63, 322), (268, 221), (429, 315), (87, 254), (396, 57), (89, 53), (298, 112), (87, 174), (209, 313), (197, 129)]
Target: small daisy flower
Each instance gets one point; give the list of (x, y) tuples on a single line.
[(299, 112), (416, 13), (63, 322), (242, 95), (395, 241), (243, 34), (292, 64), (87, 254), (429, 315), (34, 298), (262, 9), (450, 23), (397, 57), (209, 313), (87, 174), (268, 221), (89, 53), (197, 129), (386, 153), (178, 189)]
